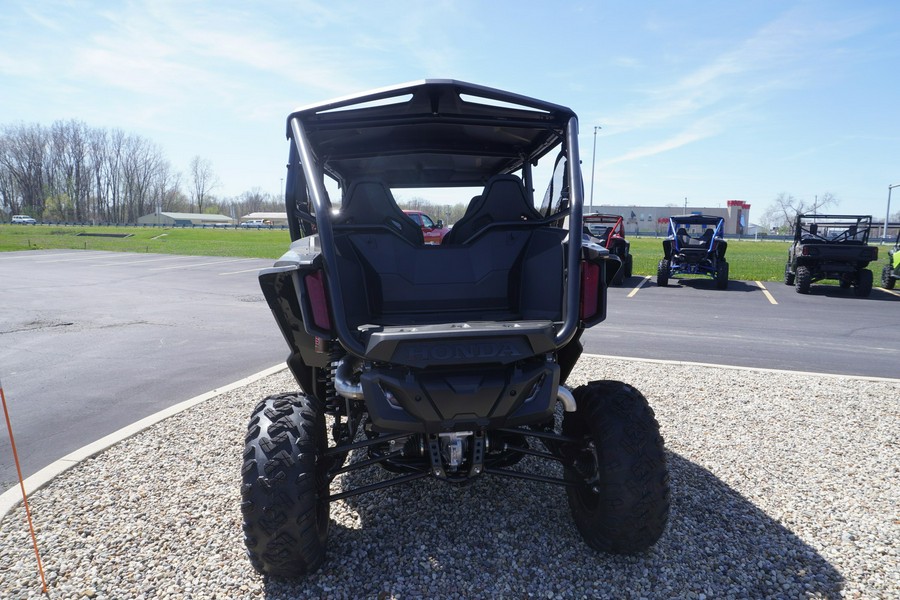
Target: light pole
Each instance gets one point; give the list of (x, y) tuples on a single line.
[(593, 162), (887, 215)]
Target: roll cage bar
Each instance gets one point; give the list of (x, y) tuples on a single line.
[(807, 226)]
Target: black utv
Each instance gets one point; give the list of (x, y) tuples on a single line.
[(442, 361), (831, 247)]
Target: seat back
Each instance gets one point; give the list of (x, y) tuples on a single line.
[(503, 200), (369, 202)]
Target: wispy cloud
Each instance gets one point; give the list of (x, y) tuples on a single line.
[(783, 54), (696, 131)]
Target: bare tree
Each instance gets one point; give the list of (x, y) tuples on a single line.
[(67, 174), (97, 151), (70, 171), (22, 155), (785, 208), (143, 167), (203, 180)]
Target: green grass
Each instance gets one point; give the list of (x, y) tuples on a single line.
[(748, 260), (250, 243)]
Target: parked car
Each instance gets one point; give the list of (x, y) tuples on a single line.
[(433, 232), (256, 224), (695, 246), (610, 231), (22, 220)]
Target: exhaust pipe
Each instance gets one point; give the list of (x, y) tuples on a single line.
[(343, 381), (566, 397)]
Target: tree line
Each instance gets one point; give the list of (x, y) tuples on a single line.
[(71, 172)]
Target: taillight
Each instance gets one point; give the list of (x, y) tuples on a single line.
[(318, 299), (590, 290)]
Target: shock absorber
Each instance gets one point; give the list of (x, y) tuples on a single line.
[(335, 405)]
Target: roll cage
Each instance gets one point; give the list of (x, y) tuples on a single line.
[(430, 133), (605, 227), (679, 224), (832, 229)]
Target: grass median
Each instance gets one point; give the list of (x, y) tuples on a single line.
[(250, 243), (749, 260)]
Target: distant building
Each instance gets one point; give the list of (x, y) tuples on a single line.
[(655, 219), (177, 219), (275, 219)]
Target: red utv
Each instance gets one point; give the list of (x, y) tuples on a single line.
[(610, 231)]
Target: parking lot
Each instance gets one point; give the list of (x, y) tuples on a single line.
[(753, 324)]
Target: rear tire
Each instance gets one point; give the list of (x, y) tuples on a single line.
[(788, 276), (804, 279), (629, 264), (662, 273), (621, 504), (285, 486), (887, 277), (864, 284), (722, 275)]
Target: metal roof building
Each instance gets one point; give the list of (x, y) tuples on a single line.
[(178, 219)]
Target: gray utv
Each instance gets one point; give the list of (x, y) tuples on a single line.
[(445, 361)]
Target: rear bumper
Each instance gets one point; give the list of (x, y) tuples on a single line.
[(461, 399)]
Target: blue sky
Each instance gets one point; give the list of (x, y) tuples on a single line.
[(704, 100)]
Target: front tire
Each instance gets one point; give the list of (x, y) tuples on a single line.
[(621, 502), (722, 275), (662, 273), (285, 486), (629, 264), (887, 277), (804, 280)]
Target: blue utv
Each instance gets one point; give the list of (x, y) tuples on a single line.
[(695, 246)]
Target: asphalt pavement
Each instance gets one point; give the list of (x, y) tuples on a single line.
[(752, 324), (93, 341)]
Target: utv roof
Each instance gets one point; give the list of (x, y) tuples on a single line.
[(850, 218), (602, 218), (696, 219), (430, 132)]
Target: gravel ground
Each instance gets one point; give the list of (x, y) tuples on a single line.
[(783, 486)]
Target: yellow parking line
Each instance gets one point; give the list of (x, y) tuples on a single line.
[(766, 292), (638, 286), (892, 292)]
